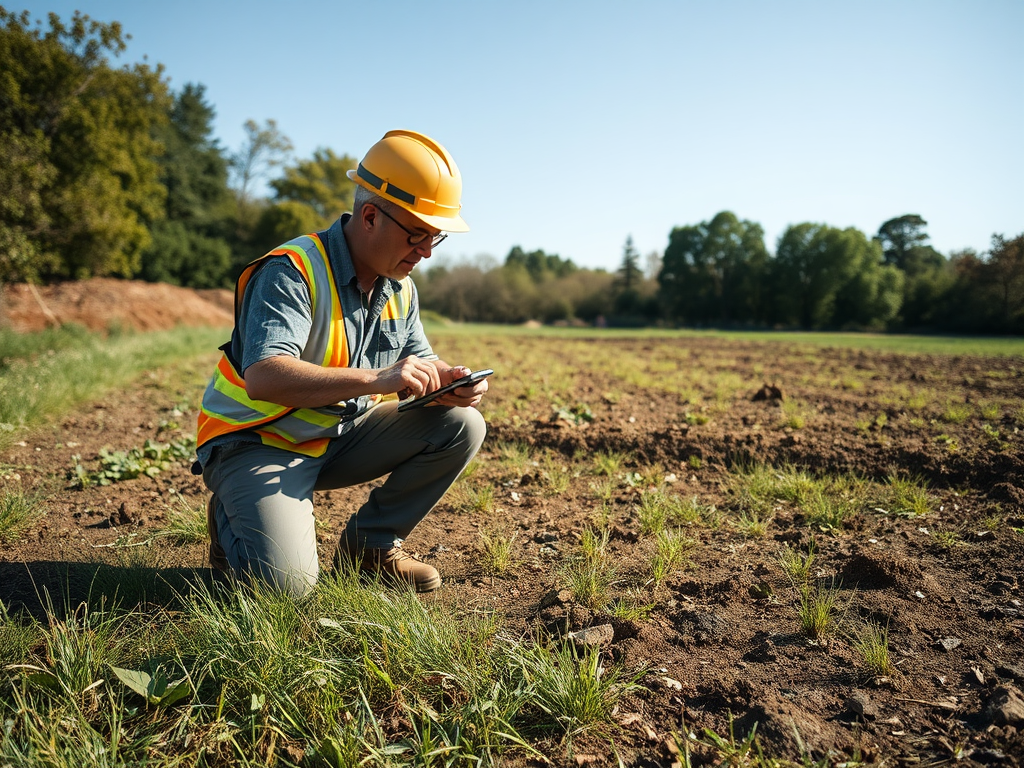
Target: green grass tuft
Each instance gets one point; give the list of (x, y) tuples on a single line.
[(18, 510)]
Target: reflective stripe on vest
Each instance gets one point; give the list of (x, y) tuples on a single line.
[(227, 407)]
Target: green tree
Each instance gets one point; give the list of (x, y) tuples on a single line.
[(280, 222), (988, 293), (78, 147), (927, 275), (827, 277), (1005, 270), (713, 272), (630, 275), (308, 197), (321, 183), (188, 246), (539, 265)]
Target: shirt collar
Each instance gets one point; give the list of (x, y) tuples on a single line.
[(341, 259)]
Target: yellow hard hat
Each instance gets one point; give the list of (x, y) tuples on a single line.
[(416, 173)]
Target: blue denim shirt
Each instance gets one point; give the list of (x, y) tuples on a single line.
[(276, 317)]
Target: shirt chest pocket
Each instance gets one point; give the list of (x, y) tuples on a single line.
[(389, 348)]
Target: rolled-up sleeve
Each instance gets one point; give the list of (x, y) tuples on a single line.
[(276, 314)]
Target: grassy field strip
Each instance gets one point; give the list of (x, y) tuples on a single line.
[(903, 344), (46, 382), (257, 676)]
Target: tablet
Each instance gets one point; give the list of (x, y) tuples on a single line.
[(419, 402)]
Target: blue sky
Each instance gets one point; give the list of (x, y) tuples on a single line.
[(577, 124)]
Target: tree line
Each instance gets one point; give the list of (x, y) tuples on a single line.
[(107, 171)]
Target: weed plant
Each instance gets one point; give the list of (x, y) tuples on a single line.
[(573, 688), (556, 476), (653, 512), (514, 457), (609, 462), (604, 489), (752, 525), (602, 516), (793, 415), (956, 413), (631, 607)]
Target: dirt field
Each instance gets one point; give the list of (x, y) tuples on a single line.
[(690, 420)]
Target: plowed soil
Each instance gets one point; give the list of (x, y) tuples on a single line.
[(722, 641)]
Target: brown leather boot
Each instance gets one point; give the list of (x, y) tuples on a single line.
[(218, 560), (393, 564)]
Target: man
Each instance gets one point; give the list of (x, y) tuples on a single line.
[(327, 338)]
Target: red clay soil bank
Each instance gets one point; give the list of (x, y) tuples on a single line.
[(102, 303)]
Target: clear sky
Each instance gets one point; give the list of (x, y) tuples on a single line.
[(576, 124)]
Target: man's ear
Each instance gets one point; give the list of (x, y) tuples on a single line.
[(368, 217)]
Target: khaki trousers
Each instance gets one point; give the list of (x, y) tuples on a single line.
[(264, 495)]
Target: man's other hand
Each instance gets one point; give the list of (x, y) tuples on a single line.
[(464, 397)]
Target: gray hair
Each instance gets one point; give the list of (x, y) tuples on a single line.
[(364, 196)]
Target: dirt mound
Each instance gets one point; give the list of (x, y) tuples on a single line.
[(103, 303)]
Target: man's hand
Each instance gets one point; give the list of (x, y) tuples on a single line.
[(411, 377), (464, 397)]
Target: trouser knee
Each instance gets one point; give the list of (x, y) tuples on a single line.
[(466, 430)]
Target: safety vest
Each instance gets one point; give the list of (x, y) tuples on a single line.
[(226, 406)]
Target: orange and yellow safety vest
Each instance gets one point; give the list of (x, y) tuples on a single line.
[(227, 407)]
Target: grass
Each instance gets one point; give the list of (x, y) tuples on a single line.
[(752, 525), (905, 344), (260, 678), (609, 462), (631, 607), (956, 413), (18, 510), (186, 521), (793, 415), (589, 574), (36, 388), (670, 550), (555, 475), (872, 644), (818, 608), (514, 456), (498, 549), (797, 565), (908, 496), (657, 510)]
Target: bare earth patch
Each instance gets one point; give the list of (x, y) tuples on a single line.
[(722, 639)]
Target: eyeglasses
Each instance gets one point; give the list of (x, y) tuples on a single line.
[(415, 238)]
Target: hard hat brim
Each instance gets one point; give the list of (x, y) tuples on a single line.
[(444, 223)]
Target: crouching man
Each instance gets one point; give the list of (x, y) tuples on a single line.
[(327, 338)]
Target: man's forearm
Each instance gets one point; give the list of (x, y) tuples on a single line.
[(298, 384)]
